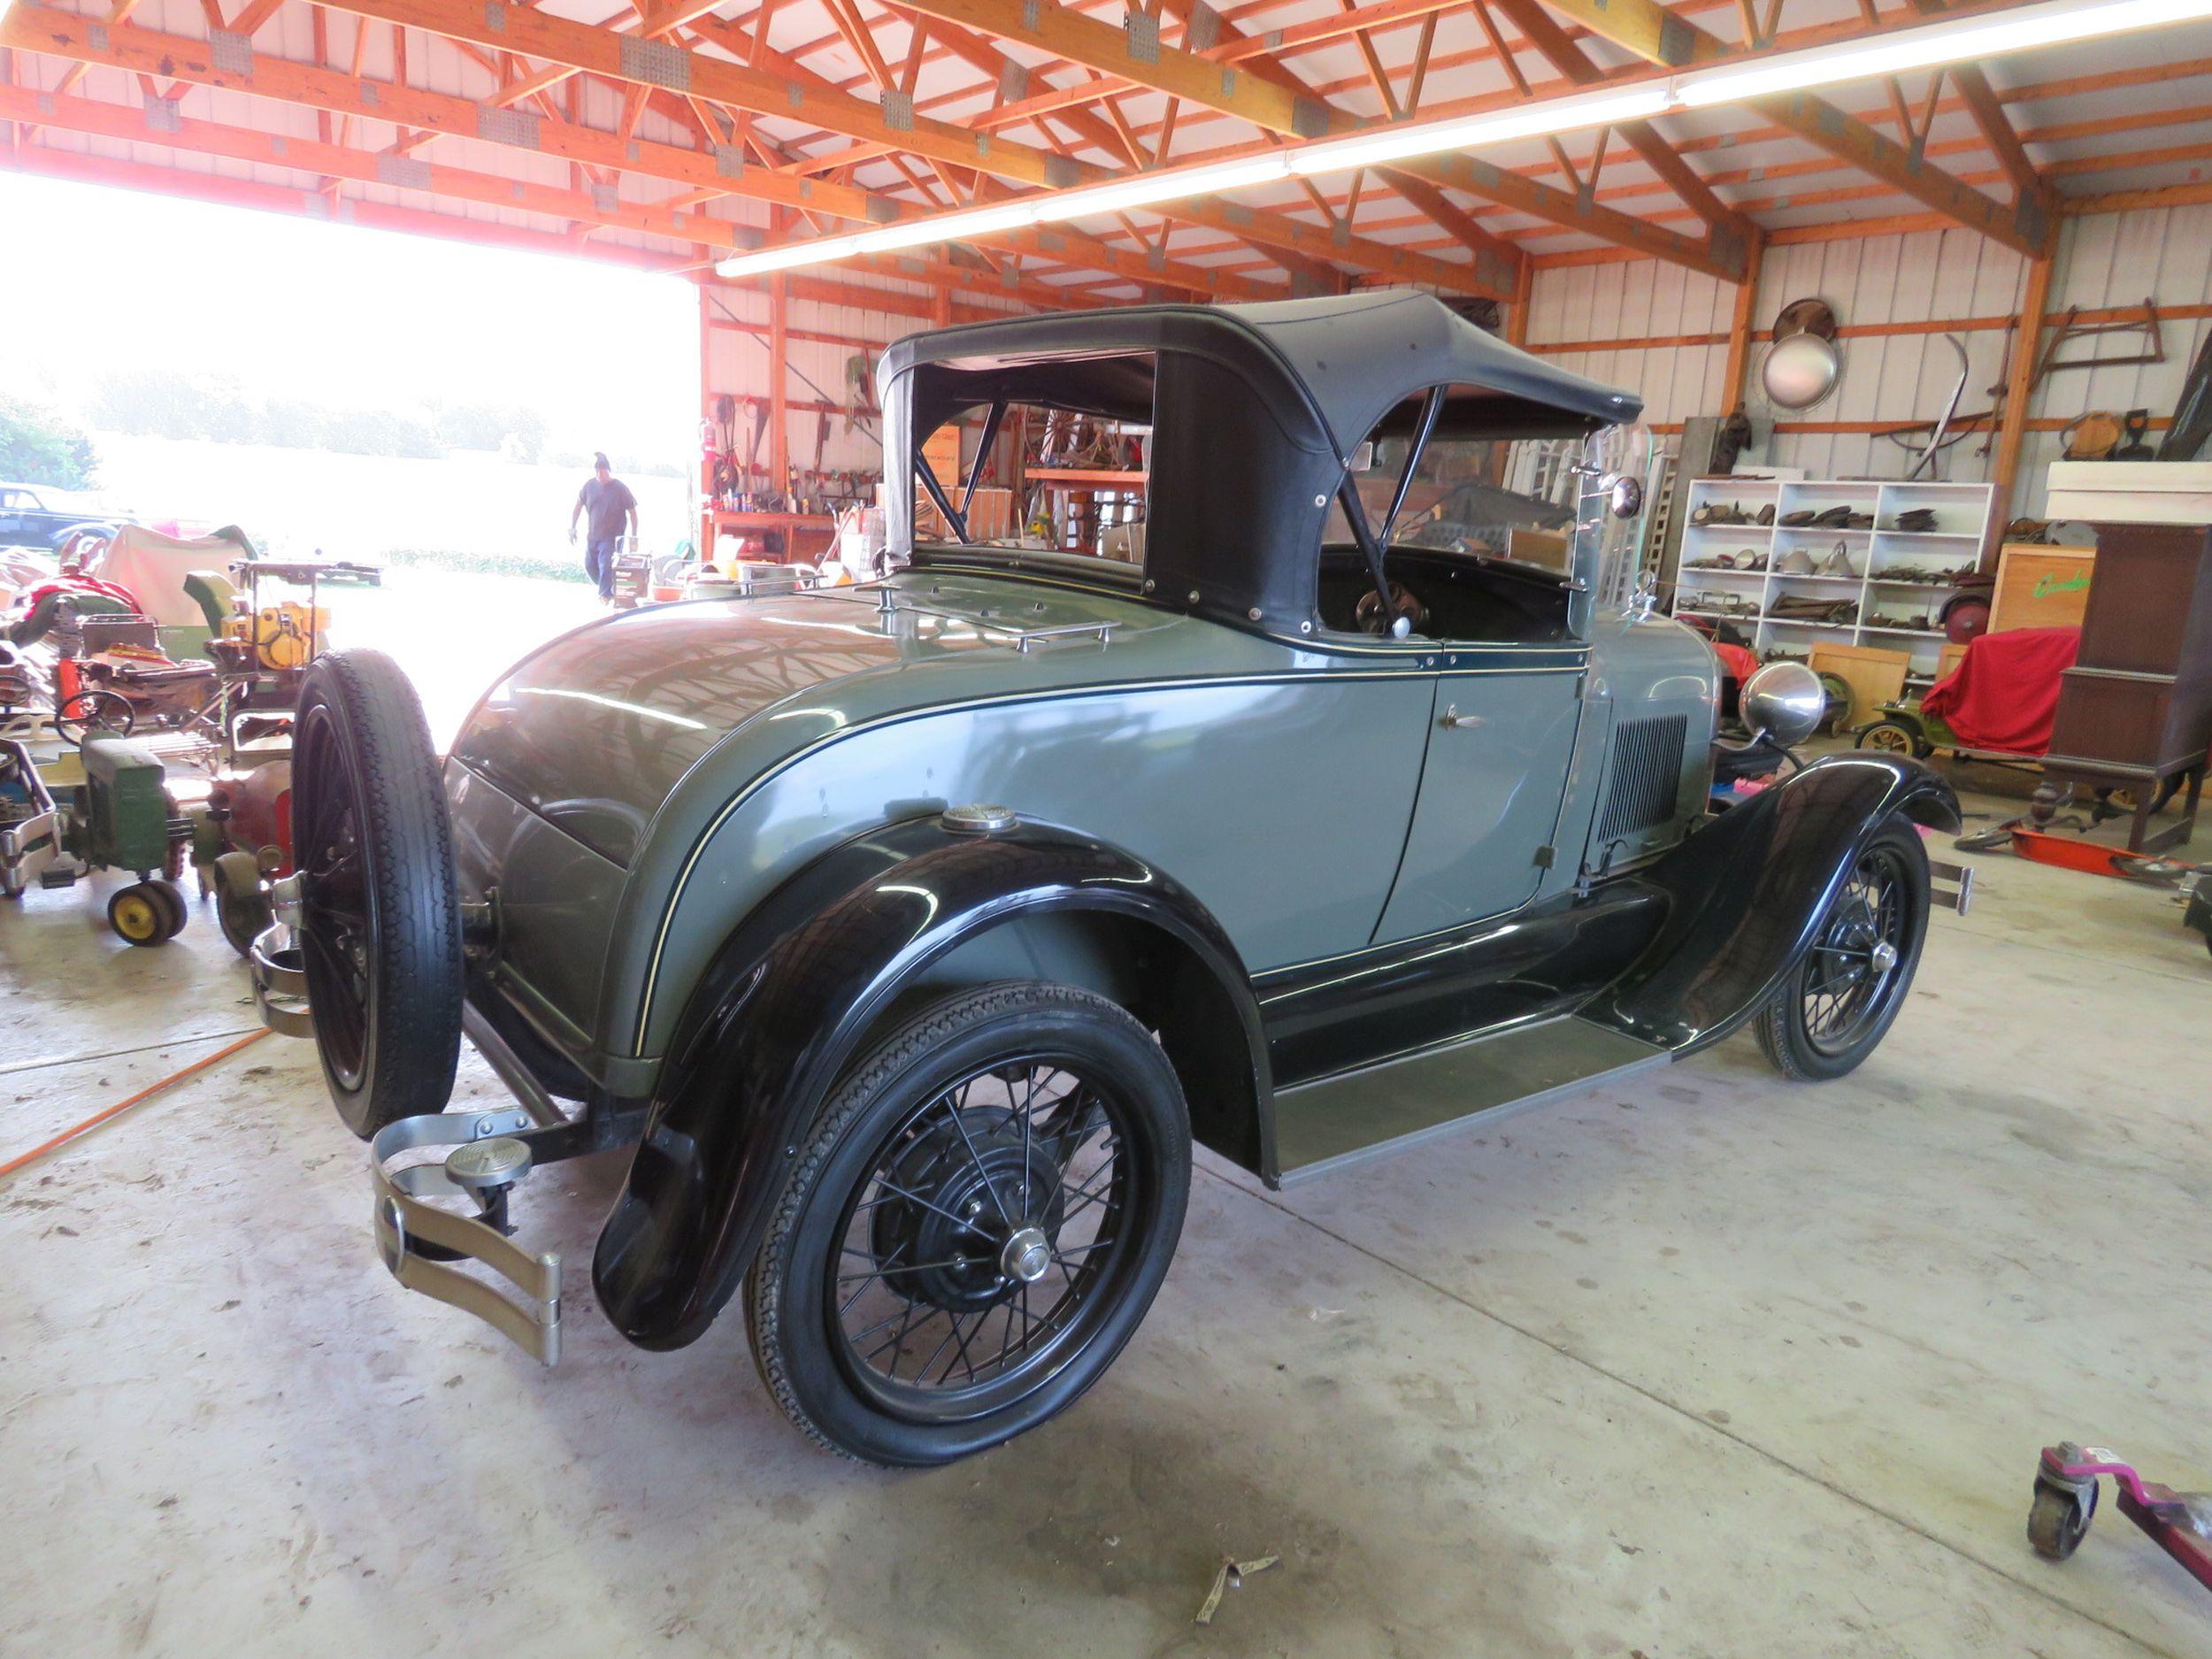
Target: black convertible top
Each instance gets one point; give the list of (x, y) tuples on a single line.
[(1254, 409)]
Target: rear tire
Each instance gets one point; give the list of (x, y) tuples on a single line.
[(1017, 1156), (379, 915), (1835, 1006)]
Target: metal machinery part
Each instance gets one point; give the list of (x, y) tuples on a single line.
[(1786, 702), (405, 1220)]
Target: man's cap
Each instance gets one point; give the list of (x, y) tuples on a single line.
[(600, 459)]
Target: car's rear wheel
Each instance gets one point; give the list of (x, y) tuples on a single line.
[(1834, 1009), (380, 932), (974, 1228)]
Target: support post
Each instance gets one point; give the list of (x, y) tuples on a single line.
[(703, 547), (2012, 421), (778, 387), (1739, 324)]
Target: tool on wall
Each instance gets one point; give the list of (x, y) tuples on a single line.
[(2073, 328), (1925, 460)]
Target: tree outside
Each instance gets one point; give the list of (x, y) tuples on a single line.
[(39, 447)]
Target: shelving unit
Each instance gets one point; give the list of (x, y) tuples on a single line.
[(1962, 520)]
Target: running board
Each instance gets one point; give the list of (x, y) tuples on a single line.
[(1354, 1117)]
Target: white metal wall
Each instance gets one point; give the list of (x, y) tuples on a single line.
[(2109, 259)]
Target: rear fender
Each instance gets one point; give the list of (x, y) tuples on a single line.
[(1745, 893), (794, 997)]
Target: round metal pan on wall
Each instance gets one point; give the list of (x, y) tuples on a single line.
[(1800, 370)]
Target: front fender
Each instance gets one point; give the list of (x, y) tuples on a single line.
[(1745, 893), (787, 1005)]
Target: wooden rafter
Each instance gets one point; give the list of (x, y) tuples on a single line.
[(1650, 31), (1274, 107)]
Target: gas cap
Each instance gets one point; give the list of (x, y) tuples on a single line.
[(976, 819)]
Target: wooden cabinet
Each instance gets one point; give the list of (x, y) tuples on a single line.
[(2136, 707)]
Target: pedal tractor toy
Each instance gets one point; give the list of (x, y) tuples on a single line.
[(2180, 1523), (120, 818)]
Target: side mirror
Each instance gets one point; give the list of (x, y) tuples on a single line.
[(1624, 495)]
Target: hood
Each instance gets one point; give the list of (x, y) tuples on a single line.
[(595, 730)]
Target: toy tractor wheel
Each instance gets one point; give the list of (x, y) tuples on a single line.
[(2059, 1519), (87, 711), (242, 909), (1894, 737), (380, 930), (147, 912)]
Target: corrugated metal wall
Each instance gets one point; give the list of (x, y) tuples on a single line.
[(2111, 260)]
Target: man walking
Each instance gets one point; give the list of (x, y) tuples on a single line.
[(608, 501)]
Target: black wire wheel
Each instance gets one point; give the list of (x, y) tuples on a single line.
[(379, 934), (1831, 1012), (975, 1226)]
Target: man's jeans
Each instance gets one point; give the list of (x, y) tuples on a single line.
[(599, 565)]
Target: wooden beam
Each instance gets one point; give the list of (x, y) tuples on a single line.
[(770, 91), (1650, 31), (1273, 108), (1560, 50), (1740, 323), (276, 198), (2012, 419)]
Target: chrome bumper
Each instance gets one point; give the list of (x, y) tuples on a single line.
[(280, 989), (404, 1222), (418, 1241)]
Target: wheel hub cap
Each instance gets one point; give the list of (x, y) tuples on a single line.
[(1025, 1255), (1883, 956)]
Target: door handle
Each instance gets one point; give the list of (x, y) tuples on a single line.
[(1455, 721)]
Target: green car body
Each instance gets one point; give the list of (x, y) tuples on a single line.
[(710, 854)]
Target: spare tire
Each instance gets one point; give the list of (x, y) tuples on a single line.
[(380, 928)]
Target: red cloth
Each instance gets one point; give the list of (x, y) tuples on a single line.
[(2003, 695), (1736, 663)]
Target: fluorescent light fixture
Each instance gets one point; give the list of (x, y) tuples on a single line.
[(1541, 120), (1928, 46), (1145, 189), (2023, 28)]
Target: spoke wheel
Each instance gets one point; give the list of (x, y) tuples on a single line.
[(1834, 1009), (981, 1219), (379, 922)]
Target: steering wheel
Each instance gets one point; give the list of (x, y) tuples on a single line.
[(1367, 614)]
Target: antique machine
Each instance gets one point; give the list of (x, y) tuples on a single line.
[(907, 935)]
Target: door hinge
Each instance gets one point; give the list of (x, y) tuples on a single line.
[(1545, 856)]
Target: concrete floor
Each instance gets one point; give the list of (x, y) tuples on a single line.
[(1707, 1364)]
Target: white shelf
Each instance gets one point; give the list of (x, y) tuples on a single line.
[(1962, 510)]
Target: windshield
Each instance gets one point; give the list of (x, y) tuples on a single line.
[(1488, 497)]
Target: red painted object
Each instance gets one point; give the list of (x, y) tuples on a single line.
[(2003, 696), (2066, 1499)]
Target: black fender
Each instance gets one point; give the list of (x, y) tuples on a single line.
[(1745, 892), (789, 1001)]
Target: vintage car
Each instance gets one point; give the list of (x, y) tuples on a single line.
[(39, 515), (911, 934)]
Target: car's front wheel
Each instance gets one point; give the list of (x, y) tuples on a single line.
[(974, 1226), (1833, 1010)]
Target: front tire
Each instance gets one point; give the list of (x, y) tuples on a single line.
[(380, 928), (1835, 1007), (974, 1228)]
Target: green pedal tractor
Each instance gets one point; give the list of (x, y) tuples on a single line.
[(122, 816)]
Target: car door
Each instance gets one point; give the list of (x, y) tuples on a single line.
[(1501, 732), (14, 523)]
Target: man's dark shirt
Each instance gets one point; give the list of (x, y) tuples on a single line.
[(605, 506)]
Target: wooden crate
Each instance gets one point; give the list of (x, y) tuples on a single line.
[(2040, 586), (1876, 676)]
